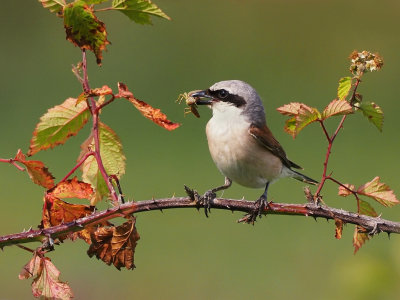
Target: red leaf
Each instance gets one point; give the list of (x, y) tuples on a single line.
[(47, 283), (72, 188), (36, 170), (380, 192), (145, 109)]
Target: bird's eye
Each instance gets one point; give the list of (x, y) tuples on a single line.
[(223, 94)]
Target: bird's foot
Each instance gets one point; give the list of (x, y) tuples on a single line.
[(260, 204), (206, 200)]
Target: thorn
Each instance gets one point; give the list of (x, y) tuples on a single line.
[(79, 225), (30, 229), (306, 215), (173, 196), (2, 249), (315, 218), (152, 198), (227, 206), (23, 230), (243, 198), (327, 220), (380, 216), (388, 235), (161, 210)]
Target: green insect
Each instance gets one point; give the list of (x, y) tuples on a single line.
[(190, 101)]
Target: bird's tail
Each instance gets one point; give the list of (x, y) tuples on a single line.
[(303, 178)]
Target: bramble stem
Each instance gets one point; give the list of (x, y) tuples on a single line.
[(95, 114), (308, 209), (330, 140)]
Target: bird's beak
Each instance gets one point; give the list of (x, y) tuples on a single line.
[(206, 99)]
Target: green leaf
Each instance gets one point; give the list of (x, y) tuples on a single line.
[(303, 116), (88, 2), (335, 108), (84, 30), (112, 157), (306, 116), (366, 209), (380, 192), (139, 11), (54, 5), (59, 124), (290, 127), (373, 112), (344, 87)]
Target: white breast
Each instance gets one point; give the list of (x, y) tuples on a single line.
[(236, 153)]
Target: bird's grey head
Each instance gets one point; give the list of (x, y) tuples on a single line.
[(237, 94)]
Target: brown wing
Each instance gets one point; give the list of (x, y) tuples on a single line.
[(265, 137)]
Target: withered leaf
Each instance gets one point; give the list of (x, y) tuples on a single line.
[(338, 228), (360, 237), (47, 283), (36, 170), (84, 30), (145, 109), (72, 188), (115, 245), (57, 211)]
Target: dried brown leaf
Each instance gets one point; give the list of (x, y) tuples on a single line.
[(115, 245)]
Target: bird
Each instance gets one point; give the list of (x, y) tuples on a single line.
[(241, 145)]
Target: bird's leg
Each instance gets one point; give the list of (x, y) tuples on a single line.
[(211, 194), (262, 201)]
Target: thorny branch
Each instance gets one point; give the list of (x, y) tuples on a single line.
[(371, 224)]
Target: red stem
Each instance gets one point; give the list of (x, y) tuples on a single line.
[(95, 114), (12, 162), (330, 143), (78, 165)]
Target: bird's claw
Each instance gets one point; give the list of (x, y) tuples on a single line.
[(260, 203), (206, 200)]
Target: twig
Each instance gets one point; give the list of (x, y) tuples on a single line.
[(308, 209), (95, 114), (12, 162)]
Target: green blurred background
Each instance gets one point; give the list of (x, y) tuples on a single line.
[(288, 51)]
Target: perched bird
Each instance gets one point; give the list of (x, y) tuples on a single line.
[(240, 142)]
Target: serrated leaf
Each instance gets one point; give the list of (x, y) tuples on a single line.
[(36, 170), (366, 209), (303, 116), (337, 107), (291, 109), (47, 283), (72, 188), (372, 112), (54, 5), (115, 245), (290, 127), (58, 124), (380, 192), (139, 11), (344, 87), (360, 237), (345, 192), (113, 160), (145, 109), (306, 116), (84, 30)]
